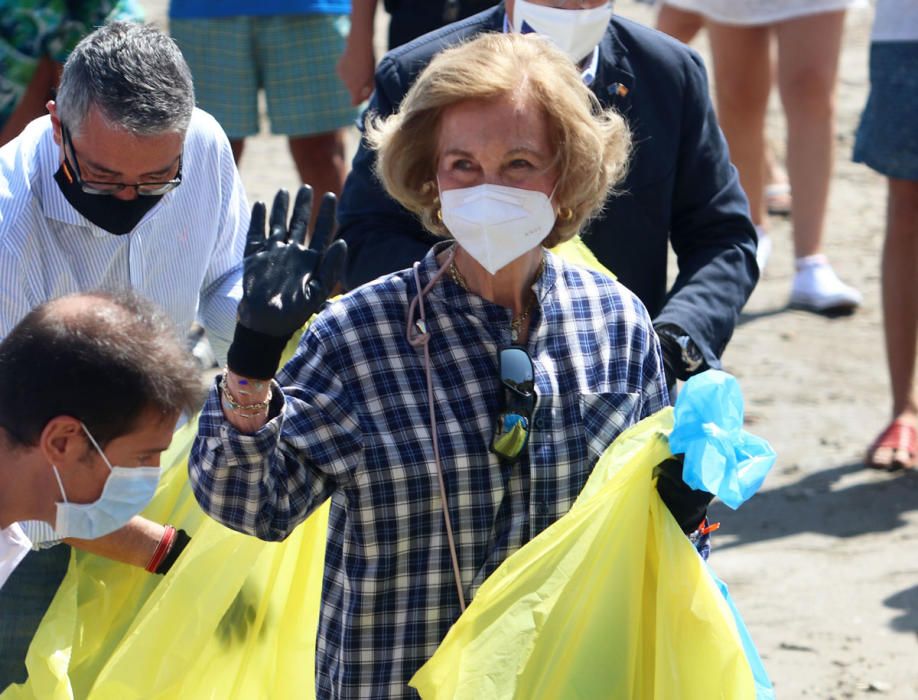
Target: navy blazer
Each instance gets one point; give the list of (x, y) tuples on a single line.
[(681, 187)]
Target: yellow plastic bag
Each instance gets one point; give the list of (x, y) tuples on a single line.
[(575, 251), (612, 601), (235, 618)]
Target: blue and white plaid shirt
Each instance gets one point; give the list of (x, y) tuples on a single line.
[(352, 424)]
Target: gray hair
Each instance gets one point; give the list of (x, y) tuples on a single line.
[(134, 74)]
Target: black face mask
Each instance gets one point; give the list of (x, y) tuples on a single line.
[(117, 216)]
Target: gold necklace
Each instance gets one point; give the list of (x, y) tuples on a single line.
[(516, 323)]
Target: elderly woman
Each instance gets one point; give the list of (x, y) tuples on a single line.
[(453, 411)]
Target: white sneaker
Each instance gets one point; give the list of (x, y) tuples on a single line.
[(763, 249), (817, 288)]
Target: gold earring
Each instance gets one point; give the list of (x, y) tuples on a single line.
[(565, 213), (440, 215)]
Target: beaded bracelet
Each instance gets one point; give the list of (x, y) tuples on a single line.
[(252, 410), (162, 549)]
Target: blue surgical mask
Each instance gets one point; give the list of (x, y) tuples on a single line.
[(127, 491)]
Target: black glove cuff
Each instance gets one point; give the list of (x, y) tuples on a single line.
[(687, 505), (255, 355), (182, 539)]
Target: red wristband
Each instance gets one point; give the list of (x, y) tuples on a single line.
[(706, 527), (162, 549)]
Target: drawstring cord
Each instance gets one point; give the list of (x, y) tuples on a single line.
[(418, 336)]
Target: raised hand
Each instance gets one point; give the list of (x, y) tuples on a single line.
[(284, 282)]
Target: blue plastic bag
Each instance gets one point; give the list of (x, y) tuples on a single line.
[(764, 690), (720, 457)]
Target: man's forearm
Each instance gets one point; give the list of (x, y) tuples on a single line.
[(135, 543)]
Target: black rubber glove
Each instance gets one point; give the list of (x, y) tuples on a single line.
[(284, 282), (181, 541), (238, 621), (687, 505)]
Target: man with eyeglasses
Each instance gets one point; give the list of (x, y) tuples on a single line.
[(681, 189), (124, 185)]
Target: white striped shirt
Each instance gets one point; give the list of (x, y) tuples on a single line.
[(185, 254)]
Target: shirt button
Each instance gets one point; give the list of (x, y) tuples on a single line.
[(539, 423)]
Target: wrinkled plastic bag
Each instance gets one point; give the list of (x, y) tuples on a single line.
[(763, 687), (576, 252), (720, 457), (236, 617), (611, 601)]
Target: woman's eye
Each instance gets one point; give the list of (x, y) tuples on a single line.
[(519, 163), (462, 165)]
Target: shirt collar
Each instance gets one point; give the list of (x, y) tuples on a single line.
[(588, 67), (456, 297)]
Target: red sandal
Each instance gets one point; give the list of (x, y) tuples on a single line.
[(895, 448)]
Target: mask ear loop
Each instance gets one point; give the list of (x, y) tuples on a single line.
[(60, 484), (418, 336), (96, 445)]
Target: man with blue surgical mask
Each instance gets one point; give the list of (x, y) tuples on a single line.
[(680, 191), (91, 386)]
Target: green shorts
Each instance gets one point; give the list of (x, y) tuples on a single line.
[(291, 57), (33, 29)]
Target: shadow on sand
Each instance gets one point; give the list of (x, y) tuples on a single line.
[(818, 504)]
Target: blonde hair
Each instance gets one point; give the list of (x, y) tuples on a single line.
[(593, 144)]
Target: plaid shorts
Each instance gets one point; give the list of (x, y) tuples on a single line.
[(33, 29), (291, 57)]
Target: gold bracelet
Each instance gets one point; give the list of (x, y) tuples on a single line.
[(253, 410)]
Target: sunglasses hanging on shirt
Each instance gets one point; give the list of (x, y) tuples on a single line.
[(518, 400)]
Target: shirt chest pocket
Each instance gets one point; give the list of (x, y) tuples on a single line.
[(605, 416)]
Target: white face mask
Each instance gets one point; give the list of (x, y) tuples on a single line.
[(496, 224), (127, 491), (575, 32)]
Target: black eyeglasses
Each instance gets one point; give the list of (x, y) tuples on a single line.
[(517, 378), (146, 189)]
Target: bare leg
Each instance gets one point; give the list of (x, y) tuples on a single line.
[(320, 161), (237, 145), (679, 24), (742, 74), (808, 50), (900, 295), (777, 189), (900, 321)]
